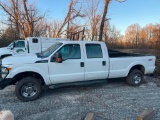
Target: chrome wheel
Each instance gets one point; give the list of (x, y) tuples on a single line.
[(29, 90), (137, 78)]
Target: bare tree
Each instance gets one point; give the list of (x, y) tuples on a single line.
[(31, 16), (11, 8), (93, 16), (157, 30), (133, 35), (40, 28), (113, 35), (106, 5), (22, 14), (53, 28), (71, 15)]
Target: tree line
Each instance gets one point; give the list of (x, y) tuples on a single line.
[(137, 37), (23, 19)]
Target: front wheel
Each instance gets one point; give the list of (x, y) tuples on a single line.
[(135, 77), (28, 89)]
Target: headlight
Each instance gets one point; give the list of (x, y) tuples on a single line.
[(5, 71)]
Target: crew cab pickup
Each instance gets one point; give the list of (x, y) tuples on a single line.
[(71, 62)]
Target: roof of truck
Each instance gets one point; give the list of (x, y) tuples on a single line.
[(80, 41)]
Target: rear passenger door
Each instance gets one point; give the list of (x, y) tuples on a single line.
[(95, 62)]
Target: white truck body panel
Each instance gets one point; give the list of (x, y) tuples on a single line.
[(4, 50), (120, 67), (71, 70), (93, 67), (29, 60)]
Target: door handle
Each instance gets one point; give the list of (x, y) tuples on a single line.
[(82, 64), (104, 63)]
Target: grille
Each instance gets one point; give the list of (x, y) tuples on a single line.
[(0, 69)]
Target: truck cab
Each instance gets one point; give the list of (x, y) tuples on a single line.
[(16, 47), (30, 45)]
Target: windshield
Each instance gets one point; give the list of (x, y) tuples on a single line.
[(10, 45), (50, 50)]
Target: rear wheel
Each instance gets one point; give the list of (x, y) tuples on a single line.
[(135, 77), (28, 89)]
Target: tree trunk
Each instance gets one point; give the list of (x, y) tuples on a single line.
[(103, 19)]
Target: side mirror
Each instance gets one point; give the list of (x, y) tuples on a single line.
[(58, 57), (11, 47)]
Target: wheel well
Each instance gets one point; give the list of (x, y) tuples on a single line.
[(28, 74), (138, 67)]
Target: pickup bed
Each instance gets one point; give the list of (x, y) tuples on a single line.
[(71, 62), (113, 54)]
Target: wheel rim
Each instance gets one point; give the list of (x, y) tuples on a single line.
[(29, 90), (137, 78)]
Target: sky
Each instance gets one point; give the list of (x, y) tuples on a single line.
[(121, 15)]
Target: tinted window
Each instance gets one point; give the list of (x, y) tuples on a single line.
[(34, 40), (94, 51), (10, 45), (50, 50), (20, 44), (70, 51)]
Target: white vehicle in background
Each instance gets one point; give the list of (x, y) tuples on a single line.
[(71, 63), (30, 45)]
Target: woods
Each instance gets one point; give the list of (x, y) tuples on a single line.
[(142, 37), (24, 19)]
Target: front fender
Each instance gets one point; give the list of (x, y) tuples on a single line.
[(43, 72), (5, 53)]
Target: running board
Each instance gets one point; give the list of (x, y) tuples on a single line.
[(81, 83)]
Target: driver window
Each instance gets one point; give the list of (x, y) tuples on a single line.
[(70, 51), (20, 44)]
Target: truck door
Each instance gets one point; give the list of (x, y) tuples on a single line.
[(19, 47), (95, 62), (72, 67)]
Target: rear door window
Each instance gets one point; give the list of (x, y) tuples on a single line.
[(94, 51)]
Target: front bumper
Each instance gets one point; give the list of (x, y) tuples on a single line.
[(5, 82)]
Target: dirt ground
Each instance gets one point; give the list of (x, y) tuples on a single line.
[(114, 100)]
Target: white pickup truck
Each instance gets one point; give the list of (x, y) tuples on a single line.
[(71, 63), (30, 45)]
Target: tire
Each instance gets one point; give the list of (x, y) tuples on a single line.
[(28, 89), (135, 77)]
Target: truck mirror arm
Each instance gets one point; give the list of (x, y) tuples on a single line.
[(12, 48)]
